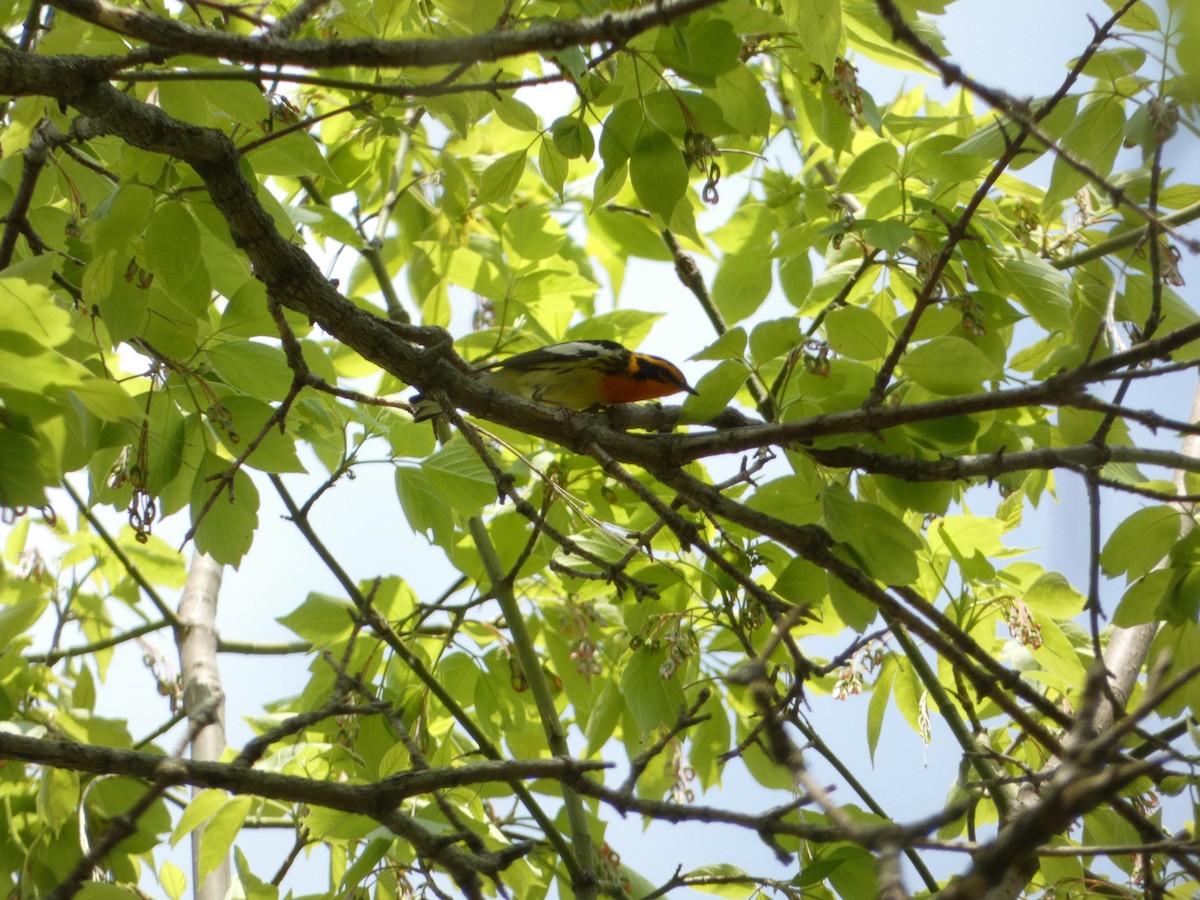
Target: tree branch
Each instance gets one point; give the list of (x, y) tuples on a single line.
[(422, 53), (372, 798)]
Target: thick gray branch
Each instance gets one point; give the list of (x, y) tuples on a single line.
[(373, 799), (267, 49), (989, 465)]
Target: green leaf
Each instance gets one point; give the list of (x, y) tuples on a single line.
[(123, 304), (881, 692), (855, 874), (608, 184), (716, 389), (246, 420), (1140, 542), (369, 857), (321, 620), (1058, 655), (201, 806), (532, 233), (793, 498), (244, 103), (515, 114), (831, 283), (295, 154), (459, 478), (172, 879), (801, 582), (744, 104), (18, 618), (855, 610), (857, 333), (220, 832), (885, 546), (22, 479), (742, 283), (30, 310), (889, 236), (657, 172), (554, 166), (171, 249), (603, 718), (424, 509), (625, 326), (699, 49), (619, 135), (1094, 138), (324, 222), (774, 338), (1041, 289), (679, 113), (1139, 17), (499, 180), (1145, 599), (1114, 63), (58, 797), (121, 218), (1052, 595), (948, 365), (653, 700), (185, 100), (24, 362), (796, 278), (819, 26), (1182, 601), (730, 345), (107, 400), (227, 530), (573, 138), (255, 369), (879, 162), (939, 156)]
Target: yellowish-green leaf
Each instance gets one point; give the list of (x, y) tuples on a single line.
[(1140, 542), (321, 619), (203, 805), (948, 365), (460, 479), (857, 333), (657, 171), (220, 832), (58, 797), (819, 26), (172, 879), (500, 179), (296, 154)]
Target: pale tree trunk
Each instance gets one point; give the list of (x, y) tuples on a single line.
[(1124, 657), (1127, 647), (197, 639)]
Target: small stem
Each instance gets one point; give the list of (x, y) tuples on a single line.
[(586, 886)]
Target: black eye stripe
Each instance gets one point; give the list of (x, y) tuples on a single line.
[(652, 368)]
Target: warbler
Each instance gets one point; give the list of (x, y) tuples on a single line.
[(576, 374)]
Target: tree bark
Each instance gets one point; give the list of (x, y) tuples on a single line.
[(197, 640)]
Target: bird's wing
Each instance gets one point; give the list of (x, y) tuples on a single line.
[(557, 353)]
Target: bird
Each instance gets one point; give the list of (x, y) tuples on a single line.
[(576, 374)]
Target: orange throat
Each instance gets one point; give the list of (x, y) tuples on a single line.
[(623, 389)]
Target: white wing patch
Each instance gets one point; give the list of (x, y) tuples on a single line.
[(583, 349), (568, 351)]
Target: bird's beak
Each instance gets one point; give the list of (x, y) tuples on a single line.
[(691, 390)]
